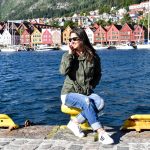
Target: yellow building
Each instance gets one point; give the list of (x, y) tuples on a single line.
[(36, 37), (66, 34)]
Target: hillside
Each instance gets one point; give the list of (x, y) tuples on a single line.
[(22, 9)]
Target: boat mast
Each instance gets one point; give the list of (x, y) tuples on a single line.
[(148, 19), (12, 33), (101, 33)]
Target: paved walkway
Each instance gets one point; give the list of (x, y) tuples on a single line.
[(60, 138)]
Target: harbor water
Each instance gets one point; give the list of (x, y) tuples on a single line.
[(30, 85)]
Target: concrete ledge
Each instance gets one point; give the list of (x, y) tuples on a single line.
[(34, 132), (59, 137)]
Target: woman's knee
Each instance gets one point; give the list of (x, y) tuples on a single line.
[(99, 102), (76, 99)]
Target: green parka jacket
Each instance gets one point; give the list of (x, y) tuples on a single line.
[(81, 75)]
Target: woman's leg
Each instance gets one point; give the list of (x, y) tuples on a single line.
[(98, 101), (89, 112), (88, 109)]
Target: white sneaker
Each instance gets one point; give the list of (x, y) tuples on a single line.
[(105, 138), (75, 129)]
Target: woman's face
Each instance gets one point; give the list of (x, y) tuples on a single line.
[(74, 41)]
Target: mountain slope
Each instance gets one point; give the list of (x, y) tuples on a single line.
[(23, 9)]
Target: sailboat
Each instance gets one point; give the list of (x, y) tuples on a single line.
[(125, 47), (143, 46), (9, 48), (99, 47), (146, 46)]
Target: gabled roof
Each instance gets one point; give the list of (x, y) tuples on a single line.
[(17, 24), (37, 27), (42, 25), (30, 31), (118, 26), (107, 28), (67, 27), (103, 28), (143, 27), (28, 25), (131, 26), (96, 25), (13, 32)]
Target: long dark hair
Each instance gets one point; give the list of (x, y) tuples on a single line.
[(89, 50)]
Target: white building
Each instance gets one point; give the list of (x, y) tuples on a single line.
[(121, 12), (81, 20), (56, 36), (142, 6), (90, 34), (6, 37), (10, 37)]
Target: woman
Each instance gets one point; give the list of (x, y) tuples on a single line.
[(81, 66)]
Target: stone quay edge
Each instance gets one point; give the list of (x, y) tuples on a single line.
[(47, 137)]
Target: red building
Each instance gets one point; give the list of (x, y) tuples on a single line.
[(25, 38), (140, 34), (126, 34), (113, 34), (46, 37), (100, 35)]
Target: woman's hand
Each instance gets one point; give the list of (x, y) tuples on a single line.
[(71, 50)]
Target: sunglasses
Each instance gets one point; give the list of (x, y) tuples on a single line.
[(74, 39)]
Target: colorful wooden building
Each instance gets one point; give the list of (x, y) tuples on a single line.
[(100, 36), (47, 37), (126, 33), (25, 38), (140, 34), (90, 33), (66, 35), (56, 37), (36, 37), (113, 34)]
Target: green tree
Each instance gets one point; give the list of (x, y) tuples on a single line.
[(109, 22), (48, 8), (54, 24), (144, 21), (69, 23), (104, 9), (126, 19), (103, 23)]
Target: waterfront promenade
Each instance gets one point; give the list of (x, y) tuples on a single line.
[(60, 138)]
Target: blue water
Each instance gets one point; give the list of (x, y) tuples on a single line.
[(30, 86)]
